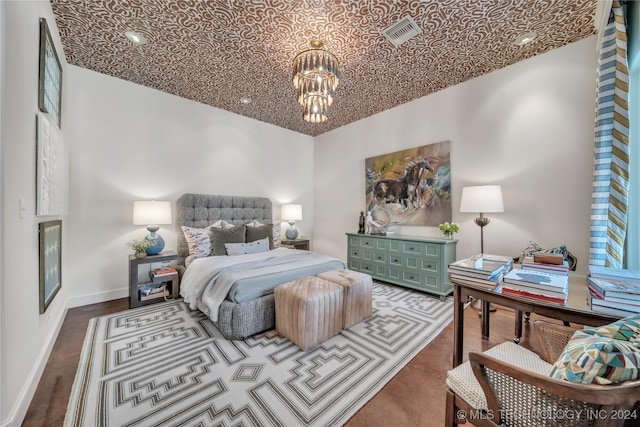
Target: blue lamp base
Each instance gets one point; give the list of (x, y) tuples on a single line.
[(292, 231), (156, 239)]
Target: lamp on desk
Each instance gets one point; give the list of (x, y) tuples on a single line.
[(291, 214), (482, 199), (152, 213)]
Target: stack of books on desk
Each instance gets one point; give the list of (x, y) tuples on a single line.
[(537, 285), (481, 270), (537, 262), (615, 292)]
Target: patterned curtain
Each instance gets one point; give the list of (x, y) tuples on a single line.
[(611, 154)]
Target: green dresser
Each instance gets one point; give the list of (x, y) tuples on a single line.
[(415, 262)]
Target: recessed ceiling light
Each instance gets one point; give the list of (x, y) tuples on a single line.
[(246, 100), (525, 38), (135, 37)]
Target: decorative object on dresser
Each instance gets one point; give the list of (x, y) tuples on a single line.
[(161, 281), (264, 380), (291, 214), (410, 187), (361, 223), (152, 213), (415, 262), (482, 199)]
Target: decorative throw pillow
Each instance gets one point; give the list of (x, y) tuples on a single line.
[(627, 329), (591, 359), (276, 238), (257, 232), (254, 247), (199, 239), (220, 236)]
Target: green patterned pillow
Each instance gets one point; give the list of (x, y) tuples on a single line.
[(599, 360), (627, 329)]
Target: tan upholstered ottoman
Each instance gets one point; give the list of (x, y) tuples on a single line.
[(309, 310), (358, 303)]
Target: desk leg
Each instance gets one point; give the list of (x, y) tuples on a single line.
[(458, 325), (518, 329), (485, 319)]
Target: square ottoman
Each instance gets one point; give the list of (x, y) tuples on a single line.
[(358, 302), (309, 311)]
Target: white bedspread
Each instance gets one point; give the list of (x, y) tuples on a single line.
[(207, 281)]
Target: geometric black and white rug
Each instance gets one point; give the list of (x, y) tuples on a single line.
[(165, 365)]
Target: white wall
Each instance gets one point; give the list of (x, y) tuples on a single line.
[(27, 336), (527, 127), (126, 143), (129, 142)]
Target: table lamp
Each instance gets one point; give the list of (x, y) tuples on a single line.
[(291, 214), (152, 213), (482, 199)]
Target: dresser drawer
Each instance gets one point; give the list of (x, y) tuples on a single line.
[(411, 248), (373, 243), (430, 265), (432, 281), (432, 250), (355, 253), (380, 257), (413, 278)]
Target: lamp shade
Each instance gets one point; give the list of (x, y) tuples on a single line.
[(482, 199), (151, 212), (291, 212)]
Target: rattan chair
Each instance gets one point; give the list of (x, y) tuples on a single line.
[(509, 386)]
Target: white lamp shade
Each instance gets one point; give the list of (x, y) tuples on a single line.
[(291, 212), (482, 199), (151, 212)]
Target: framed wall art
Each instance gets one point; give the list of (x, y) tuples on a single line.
[(410, 187), (50, 76), (52, 168), (50, 262)]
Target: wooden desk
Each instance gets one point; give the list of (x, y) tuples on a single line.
[(575, 311)]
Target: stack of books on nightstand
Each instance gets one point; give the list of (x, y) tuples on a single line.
[(152, 291), (537, 285), (615, 292), (481, 270), (161, 273)]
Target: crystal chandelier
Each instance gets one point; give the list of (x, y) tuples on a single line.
[(315, 76)]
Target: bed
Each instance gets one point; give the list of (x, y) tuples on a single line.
[(248, 308)]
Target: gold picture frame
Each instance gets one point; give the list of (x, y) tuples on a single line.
[(50, 261), (49, 76)]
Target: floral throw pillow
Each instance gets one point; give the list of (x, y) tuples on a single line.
[(199, 239)]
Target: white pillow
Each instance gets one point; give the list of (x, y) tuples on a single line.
[(277, 240), (199, 239), (254, 247)]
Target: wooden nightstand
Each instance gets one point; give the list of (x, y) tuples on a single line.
[(136, 296), (298, 243)]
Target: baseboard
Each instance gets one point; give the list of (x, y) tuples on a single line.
[(97, 297), (28, 391)]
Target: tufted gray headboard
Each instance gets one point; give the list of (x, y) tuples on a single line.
[(200, 210)]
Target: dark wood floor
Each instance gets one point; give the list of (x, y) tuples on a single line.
[(414, 397)]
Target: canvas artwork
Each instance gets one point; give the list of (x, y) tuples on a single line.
[(52, 169), (410, 187)]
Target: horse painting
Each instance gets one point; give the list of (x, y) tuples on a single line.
[(410, 186)]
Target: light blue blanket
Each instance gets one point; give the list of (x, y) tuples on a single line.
[(208, 281)]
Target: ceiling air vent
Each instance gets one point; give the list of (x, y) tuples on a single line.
[(402, 31)]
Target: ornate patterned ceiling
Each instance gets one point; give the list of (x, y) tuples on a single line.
[(217, 51)]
